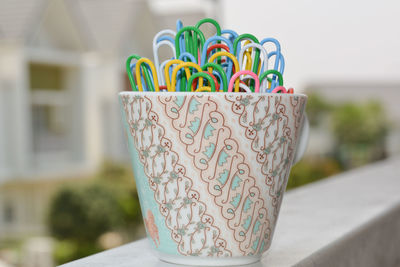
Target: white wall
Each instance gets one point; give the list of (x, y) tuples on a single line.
[(341, 40), (15, 124)]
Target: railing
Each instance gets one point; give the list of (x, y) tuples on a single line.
[(352, 219)]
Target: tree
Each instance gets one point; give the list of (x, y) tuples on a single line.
[(317, 107), (79, 214), (83, 214), (360, 132)]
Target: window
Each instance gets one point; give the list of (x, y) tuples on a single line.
[(8, 212), (49, 106), (46, 77)]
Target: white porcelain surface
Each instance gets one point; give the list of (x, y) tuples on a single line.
[(211, 170)]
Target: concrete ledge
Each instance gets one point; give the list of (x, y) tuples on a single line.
[(377, 243), (352, 219)]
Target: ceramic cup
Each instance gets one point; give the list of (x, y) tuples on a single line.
[(211, 170)]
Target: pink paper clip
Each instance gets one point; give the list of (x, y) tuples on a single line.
[(245, 72), (280, 89)]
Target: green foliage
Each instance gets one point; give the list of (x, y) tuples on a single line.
[(116, 174), (317, 107), (309, 170), (360, 132), (79, 214), (68, 250), (359, 123), (84, 213), (119, 179)]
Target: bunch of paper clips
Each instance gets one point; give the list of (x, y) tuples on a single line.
[(225, 62)]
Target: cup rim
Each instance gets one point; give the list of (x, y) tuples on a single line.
[(207, 93)]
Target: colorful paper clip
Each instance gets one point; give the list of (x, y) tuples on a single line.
[(225, 62)]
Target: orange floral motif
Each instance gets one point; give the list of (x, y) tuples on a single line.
[(152, 228)]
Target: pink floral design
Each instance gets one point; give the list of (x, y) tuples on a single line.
[(152, 228)]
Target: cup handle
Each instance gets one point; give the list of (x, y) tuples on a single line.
[(303, 140)]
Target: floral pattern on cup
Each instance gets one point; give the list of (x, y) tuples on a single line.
[(201, 127), (272, 132), (218, 165), (192, 228)]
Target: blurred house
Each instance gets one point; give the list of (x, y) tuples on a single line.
[(61, 67)]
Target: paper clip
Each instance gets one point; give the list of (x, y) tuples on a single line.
[(130, 75), (147, 80), (250, 37), (192, 43), (202, 88), (257, 46), (217, 78), (177, 68), (211, 21), (154, 85), (214, 46), (181, 82), (268, 72), (281, 64), (167, 76), (223, 81), (249, 57), (245, 88), (244, 72), (160, 39), (156, 58), (213, 39), (162, 68), (166, 38), (279, 89), (179, 26), (229, 71), (232, 35), (245, 36), (278, 59), (185, 55), (196, 58), (277, 45), (217, 28)]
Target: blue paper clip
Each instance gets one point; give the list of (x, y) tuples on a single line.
[(214, 39), (281, 64), (279, 60), (232, 35), (179, 26)]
